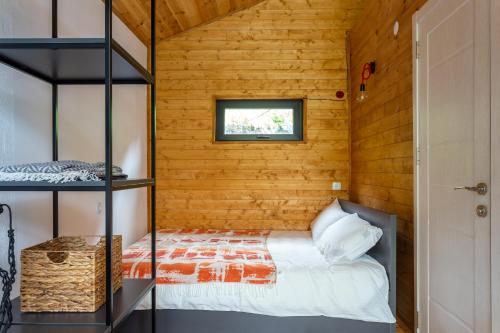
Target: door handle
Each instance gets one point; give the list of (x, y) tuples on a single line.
[(480, 188)]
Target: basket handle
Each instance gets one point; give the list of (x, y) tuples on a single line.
[(57, 257), (92, 240)]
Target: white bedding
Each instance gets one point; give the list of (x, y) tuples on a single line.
[(306, 286)]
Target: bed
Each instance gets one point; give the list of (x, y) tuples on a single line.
[(309, 295)]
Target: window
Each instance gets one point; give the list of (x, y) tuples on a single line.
[(259, 120)]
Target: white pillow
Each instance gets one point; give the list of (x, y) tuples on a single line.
[(348, 239), (327, 217)]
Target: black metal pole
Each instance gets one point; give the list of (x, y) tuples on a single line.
[(109, 160), (54, 18), (55, 134), (55, 157), (153, 161)]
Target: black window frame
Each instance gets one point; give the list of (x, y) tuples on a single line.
[(298, 118)]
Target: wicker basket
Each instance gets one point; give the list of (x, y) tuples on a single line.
[(68, 274)]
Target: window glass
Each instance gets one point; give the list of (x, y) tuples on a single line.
[(258, 121)]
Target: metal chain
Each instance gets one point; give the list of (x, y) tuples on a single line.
[(8, 278)]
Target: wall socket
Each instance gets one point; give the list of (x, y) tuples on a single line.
[(336, 186)]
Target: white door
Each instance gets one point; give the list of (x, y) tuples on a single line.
[(452, 110)]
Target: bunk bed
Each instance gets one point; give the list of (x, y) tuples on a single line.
[(84, 61), (186, 313)]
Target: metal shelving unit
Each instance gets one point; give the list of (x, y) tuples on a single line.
[(88, 61)]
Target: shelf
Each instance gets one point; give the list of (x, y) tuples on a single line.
[(58, 329), (125, 301), (127, 184), (82, 186), (71, 60)]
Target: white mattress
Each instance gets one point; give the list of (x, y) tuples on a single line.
[(306, 286)]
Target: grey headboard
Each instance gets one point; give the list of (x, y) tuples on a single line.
[(385, 250)]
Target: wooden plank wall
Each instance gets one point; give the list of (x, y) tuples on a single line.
[(173, 16), (279, 48), (382, 128)]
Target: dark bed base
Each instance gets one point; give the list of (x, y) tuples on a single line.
[(192, 321)]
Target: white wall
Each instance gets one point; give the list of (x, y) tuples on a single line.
[(25, 128)]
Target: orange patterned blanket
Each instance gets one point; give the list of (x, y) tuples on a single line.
[(190, 256)]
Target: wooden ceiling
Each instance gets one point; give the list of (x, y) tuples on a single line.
[(174, 16)]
